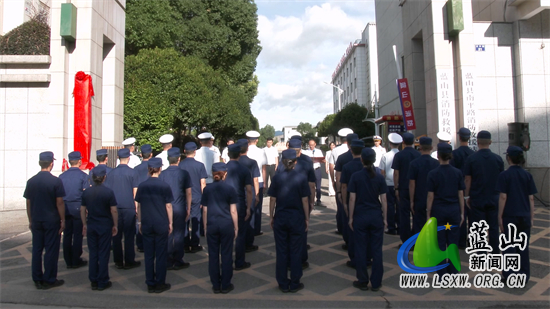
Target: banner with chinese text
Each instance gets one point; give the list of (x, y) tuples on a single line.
[(406, 104)]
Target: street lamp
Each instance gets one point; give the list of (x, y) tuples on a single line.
[(340, 92)]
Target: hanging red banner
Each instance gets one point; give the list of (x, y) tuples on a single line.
[(83, 93), (406, 104)]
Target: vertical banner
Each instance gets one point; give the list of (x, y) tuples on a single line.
[(406, 104), (469, 107), (83, 93), (446, 101)]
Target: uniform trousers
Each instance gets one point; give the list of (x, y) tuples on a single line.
[(318, 178), (392, 217), (193, 237), (126, 227), (487, 210), (45, 235), (339, 218), (419, 217), (258, 211), (139, 238), (270, 171), (219, 236), (176, 249), (351, 241), (444, 214), (523, 224), (465, 227), (240, 243), (343, 221), (288, 231), (369, 234), (405, 231), (72, 240), (99, 245), (250, 223), (155, 238)]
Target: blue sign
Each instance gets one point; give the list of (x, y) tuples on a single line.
[(480, 47)]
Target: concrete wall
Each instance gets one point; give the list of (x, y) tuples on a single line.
[(371, 72)]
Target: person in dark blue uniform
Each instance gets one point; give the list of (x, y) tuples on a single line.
[(400, 166), (481, 174), (220, 219), (102, 158), (75, 182), (289, 210), (154, 198), (239, 177), (252, 166), (180, 184), (100, 219), (446, 200), (516, 205), (124, 182), (339, 164), (143, 173), (198, 175), (350, 168), (46, 213), (367, 219), (459, 160), (418, 181)]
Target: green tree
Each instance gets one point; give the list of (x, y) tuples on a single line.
[(325, 127), (352, 117), (265, 132), (308, 132)]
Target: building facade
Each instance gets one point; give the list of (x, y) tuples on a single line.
[(36, 92), (484, 73)]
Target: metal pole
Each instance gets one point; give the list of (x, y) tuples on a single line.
[(397, 64)]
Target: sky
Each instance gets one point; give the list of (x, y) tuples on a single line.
[(302, 43)]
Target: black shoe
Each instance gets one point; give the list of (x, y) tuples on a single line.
[(47, 285), (195, 249), (284, 290), (344, 247), (300, 287), (81, 264), (94, 286), (259, 234), (139, 250), (305, 265), (251, 249), (119, 266), (132, 265), (230, 288), (361, 286), (151, 289), (108, 285), (308, 246), (350, 265), (216, 291), (390, 232), (376, 289), (318, 203), (338, 232), (180, 266), (38, 285), (162, 288), (245, 266)]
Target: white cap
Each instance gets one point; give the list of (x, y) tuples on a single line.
[(395, 138), (377, 137), (444, 136), (129, 141), (166, 139), (252, 134), (344, 132), (205, 135), (294, 133)]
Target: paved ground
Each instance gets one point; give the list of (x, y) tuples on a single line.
[(328, 280)]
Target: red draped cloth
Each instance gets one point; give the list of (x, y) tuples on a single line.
[(83, 93)]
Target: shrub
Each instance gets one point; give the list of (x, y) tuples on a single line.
[(30, 38)]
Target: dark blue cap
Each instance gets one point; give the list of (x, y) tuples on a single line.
[(298, 137), (46, 156), (351, 137), (514, 151), (484, 135), (234, 148), (146, 148), (124, 153), (368, 154), (425, 141), (174, 152), (289, 154), (219, 167), (190, 146), (154, 162), (242, 141), (408, 138), (295, 143), (464, 132), (75, 155), (444, 148), (101, 152), (357, 143), (100, 170)]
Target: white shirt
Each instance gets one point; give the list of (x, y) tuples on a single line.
[(386, 163), (336, 152), (164, 157), (315, 153), (380, 151), (216, 150), (327, 157), (207, 157), (133, 162), (434, 154), (272, 155), (257, 154), (225, 154)]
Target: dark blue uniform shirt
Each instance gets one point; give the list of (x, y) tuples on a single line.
[(196, 171), (75, 182), (143, 171), (304, 166), (343, 160), (445, 181), (109, 169), (418, 171), (484, 166), (122, 180), (238, 176), (349, 169), (179, 181), (218, 197), (153, 195), (367, 190), (401, 162), (98, 201), (289, 187), (251, 164), (518, 184), (460, 155), (43, 189)]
